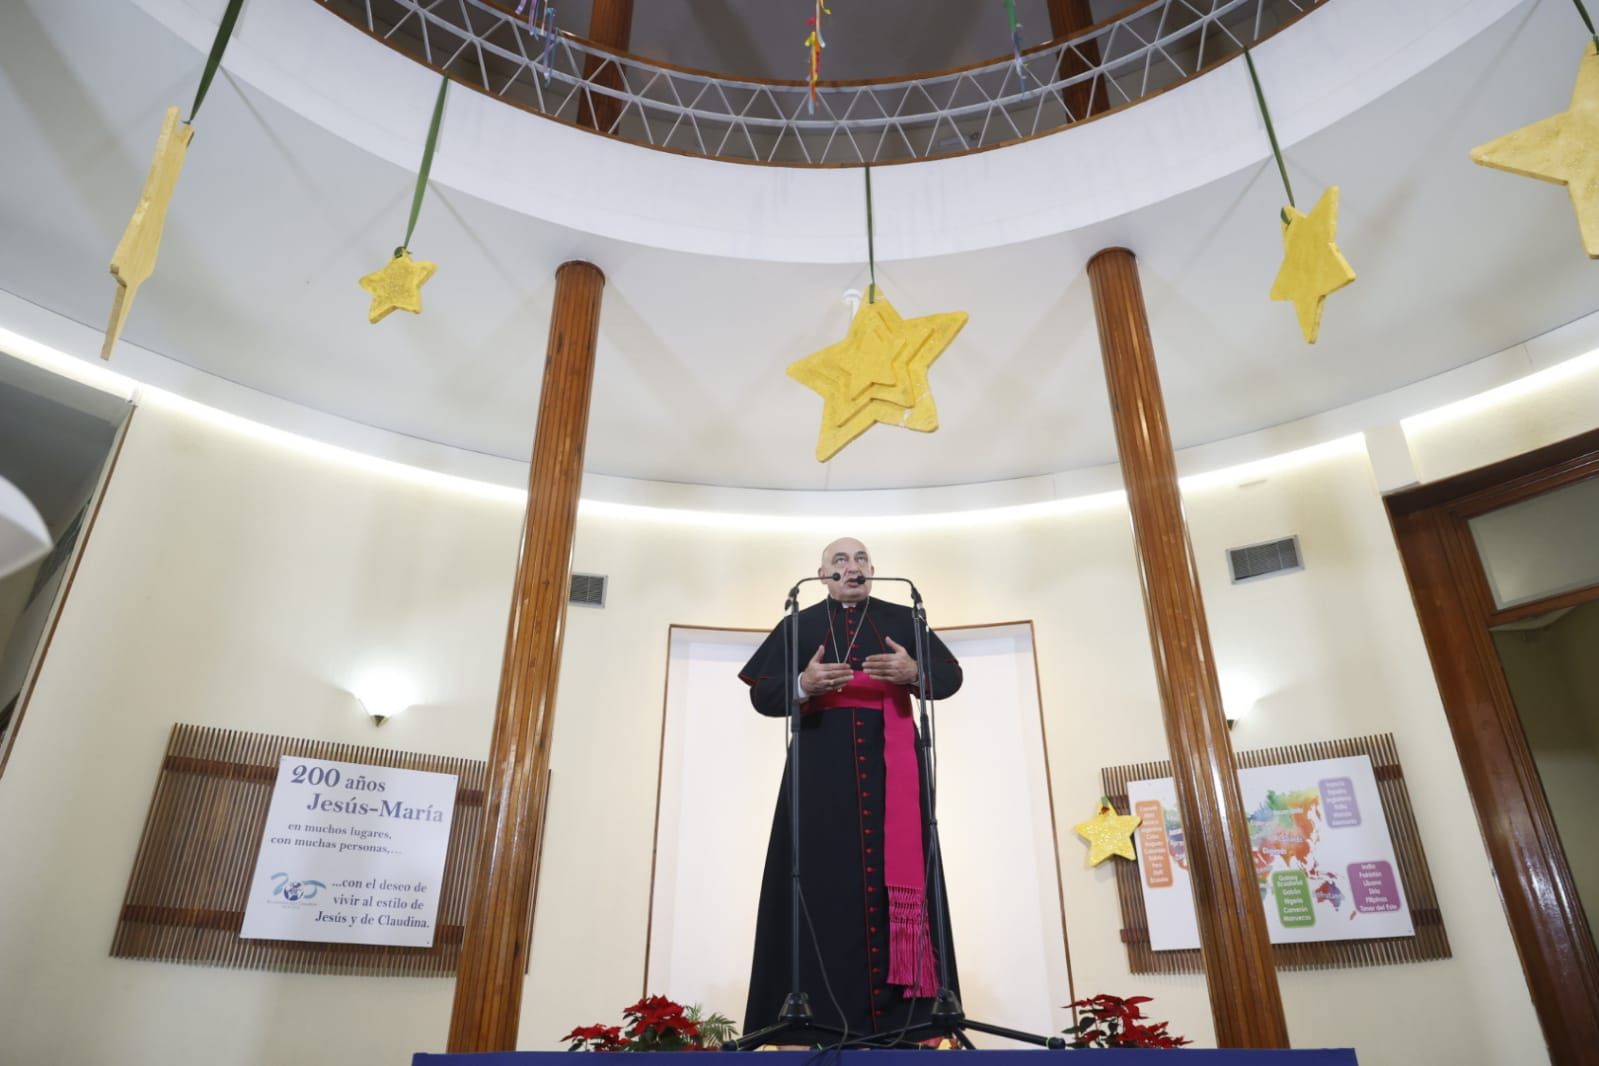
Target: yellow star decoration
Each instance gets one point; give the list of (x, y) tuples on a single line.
[(134, 259), (1109, 833), (1562, 148), (398, 286), (1313, 267), (877, 373)]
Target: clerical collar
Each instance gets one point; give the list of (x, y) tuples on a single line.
[(849, 624)]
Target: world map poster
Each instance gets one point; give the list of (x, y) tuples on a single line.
[(1324, 861)]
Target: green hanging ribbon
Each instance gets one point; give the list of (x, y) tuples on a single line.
[(871, 249), (1588, 22), (1271, 131), (427, 164), (214, 60)]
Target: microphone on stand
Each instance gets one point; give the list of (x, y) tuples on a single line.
[(916, 595)]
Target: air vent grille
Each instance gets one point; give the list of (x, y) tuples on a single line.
[(1255, 561), (588, 590)]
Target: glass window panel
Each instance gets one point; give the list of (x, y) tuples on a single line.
[(1542, 546)]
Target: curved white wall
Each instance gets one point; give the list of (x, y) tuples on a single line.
[(1335, 61), (54, 342)]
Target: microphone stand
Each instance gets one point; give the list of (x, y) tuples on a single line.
[(948, 1017), (796, 1015)]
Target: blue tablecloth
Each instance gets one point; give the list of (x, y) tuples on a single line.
[(1189, 1057)]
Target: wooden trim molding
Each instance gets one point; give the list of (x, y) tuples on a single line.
[(1450, 590)]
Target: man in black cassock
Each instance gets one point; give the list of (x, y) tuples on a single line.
[(863, 823)]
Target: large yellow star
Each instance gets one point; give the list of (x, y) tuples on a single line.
[(1313, 267), (134, 259), (1109, 834), (398, 286), (877, 373), (1562, 148)]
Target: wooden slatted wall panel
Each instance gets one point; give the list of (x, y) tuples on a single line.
[(1431, 940), (186, 894)]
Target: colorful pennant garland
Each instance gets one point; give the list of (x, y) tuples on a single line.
[(398, 285), (814, 43), (1312, 268), (133, 261), (541, 23), (1015, 37)]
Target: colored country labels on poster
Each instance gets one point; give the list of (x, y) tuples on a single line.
[(1324, 860)]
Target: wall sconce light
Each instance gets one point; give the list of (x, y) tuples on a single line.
[(1239, 695), (384, 694)]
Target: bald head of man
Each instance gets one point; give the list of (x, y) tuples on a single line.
[(849, 559)]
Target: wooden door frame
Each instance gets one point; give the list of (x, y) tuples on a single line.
[(1456, 608)]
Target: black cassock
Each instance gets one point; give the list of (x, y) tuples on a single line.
[(841, 829)]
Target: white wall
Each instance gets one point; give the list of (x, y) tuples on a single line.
[(232, 581), (229, 583)]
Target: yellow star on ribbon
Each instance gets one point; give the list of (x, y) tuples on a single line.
[(877, 373), (1109, 834), (398, 286), (1562, 148), (134, 259), (1313, 267)]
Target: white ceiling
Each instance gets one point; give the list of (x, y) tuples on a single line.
[(275, 219)]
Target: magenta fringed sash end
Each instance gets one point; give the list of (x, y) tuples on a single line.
[(910, 949)]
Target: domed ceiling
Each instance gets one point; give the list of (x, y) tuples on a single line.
[(276, 218)]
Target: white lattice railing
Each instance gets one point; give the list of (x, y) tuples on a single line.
[(1149, 48)]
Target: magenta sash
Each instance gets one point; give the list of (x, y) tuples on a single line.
[(910, 948)]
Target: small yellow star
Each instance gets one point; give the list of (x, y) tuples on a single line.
[(1109, 833), (1313, 267), (134, 259), (877, 373), (1562, 148), (398, 286)]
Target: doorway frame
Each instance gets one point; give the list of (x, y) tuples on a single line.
[(1455, 606)]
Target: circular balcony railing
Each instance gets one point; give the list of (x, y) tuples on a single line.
[(1144, 51)]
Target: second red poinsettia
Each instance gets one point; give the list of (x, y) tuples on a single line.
[(1110, 1021)]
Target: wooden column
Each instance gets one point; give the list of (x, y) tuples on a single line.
[(611, 25), (1067, 17), (488, 981), (1232, 925)]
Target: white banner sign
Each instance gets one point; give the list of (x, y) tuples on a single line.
[(351, 853), (1323, 858)]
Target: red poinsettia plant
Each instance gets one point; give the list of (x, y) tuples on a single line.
[(655, 1023), (1110, 1021)]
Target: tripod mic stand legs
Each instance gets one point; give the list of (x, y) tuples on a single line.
[(793, 1020)]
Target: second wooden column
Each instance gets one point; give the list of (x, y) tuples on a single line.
[(488, 979), (1244, 999)]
